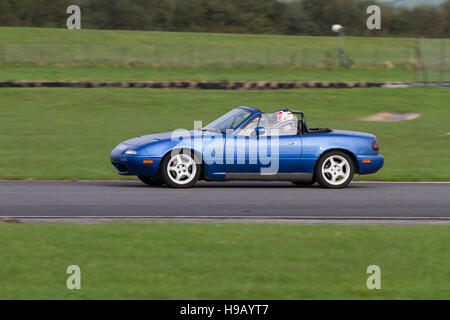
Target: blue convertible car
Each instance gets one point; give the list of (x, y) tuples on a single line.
[(247, 144)]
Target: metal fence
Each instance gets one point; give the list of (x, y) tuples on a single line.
[(433, 60)]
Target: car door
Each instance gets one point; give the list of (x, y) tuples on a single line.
[(241, 154), (290, 150), (268, 154)]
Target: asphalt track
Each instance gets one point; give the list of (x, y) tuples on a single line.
[(360, 200)]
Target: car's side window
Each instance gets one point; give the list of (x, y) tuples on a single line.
[(276, 124), (249, 129), (287, 128)]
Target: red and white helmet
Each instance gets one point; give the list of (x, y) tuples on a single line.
[(284, 116)]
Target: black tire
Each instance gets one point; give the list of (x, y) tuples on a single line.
[(171, 180), (304, 183), (346, 173), (151, 181)]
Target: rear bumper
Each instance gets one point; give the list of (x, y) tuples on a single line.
[(370, 163), (135, 166)]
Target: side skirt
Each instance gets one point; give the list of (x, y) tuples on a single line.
[(270, 177)]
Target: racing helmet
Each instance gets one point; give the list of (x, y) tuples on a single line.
[(283, 116)]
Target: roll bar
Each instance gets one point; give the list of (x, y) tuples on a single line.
[(304, 128)]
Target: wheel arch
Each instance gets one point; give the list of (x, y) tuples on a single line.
[(346, 151)]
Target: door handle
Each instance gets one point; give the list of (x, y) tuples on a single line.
[(291, 143)]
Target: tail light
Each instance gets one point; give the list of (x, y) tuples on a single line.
[(375, 145)]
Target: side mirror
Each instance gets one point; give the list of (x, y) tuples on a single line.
[(260, 131)]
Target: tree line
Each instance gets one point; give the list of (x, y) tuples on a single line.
[(294, 17)]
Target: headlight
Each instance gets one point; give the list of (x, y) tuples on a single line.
[(131, 152)]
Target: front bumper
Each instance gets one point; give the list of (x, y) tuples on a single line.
[(370, 163), (134, 165)]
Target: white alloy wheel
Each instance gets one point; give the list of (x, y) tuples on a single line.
[(181, 169), (336, 170)]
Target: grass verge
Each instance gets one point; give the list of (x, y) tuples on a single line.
[(223, 261)]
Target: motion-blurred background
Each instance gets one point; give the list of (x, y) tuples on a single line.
[(312, 18), (68, 133)]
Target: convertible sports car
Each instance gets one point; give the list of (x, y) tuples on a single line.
[(247, 144)]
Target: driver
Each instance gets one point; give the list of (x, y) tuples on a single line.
[(286, 123), (283, 116)]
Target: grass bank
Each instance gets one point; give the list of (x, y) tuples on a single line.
[(27, 35), (61, 54)]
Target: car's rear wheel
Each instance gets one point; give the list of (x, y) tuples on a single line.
[(151, 181), (180, 170), (334, 170)]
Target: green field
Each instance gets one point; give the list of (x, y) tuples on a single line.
[(68, 133), (60, 54), (223, 261), (25, 35)]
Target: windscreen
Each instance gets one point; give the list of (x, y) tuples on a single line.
[(230, 120)]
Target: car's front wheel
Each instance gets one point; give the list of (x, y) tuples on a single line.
[(151, 181), (180, 170), (334, 170)]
